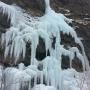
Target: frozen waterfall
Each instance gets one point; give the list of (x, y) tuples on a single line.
[(47, 27)]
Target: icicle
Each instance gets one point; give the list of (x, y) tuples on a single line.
[(41, 77), (85, 57), (2, 40), (79, 56), (6, 51), (70, 63), (33, 38), (50, 65), (45, 36), (47, 5), (71, 57), (48, 81), (33, 52), (1, 77), (10, 11), (29, 85), (19, 47), (35, 80)]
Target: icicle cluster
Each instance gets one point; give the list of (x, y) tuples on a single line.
[(19, 77), (29, 30)]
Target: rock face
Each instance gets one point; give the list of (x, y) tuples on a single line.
[(79, 6), (80, 11), (84, 32)]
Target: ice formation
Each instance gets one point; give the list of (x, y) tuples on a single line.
[(1, 75), (19, 76), (41, 86), (49, 26)]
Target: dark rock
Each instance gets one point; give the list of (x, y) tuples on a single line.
[(79, 6), (76, 63), (68, 41), (84, 32), (4, 22)]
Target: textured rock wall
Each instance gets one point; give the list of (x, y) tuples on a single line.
[(76, 6)]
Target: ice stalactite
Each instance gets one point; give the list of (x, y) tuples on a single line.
[(86, 62), (1, 77), (79, 56), (25, 30), (11, 11), (44, 35)]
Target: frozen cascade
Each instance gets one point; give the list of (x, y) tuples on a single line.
[(1, 76), (47, 27)]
